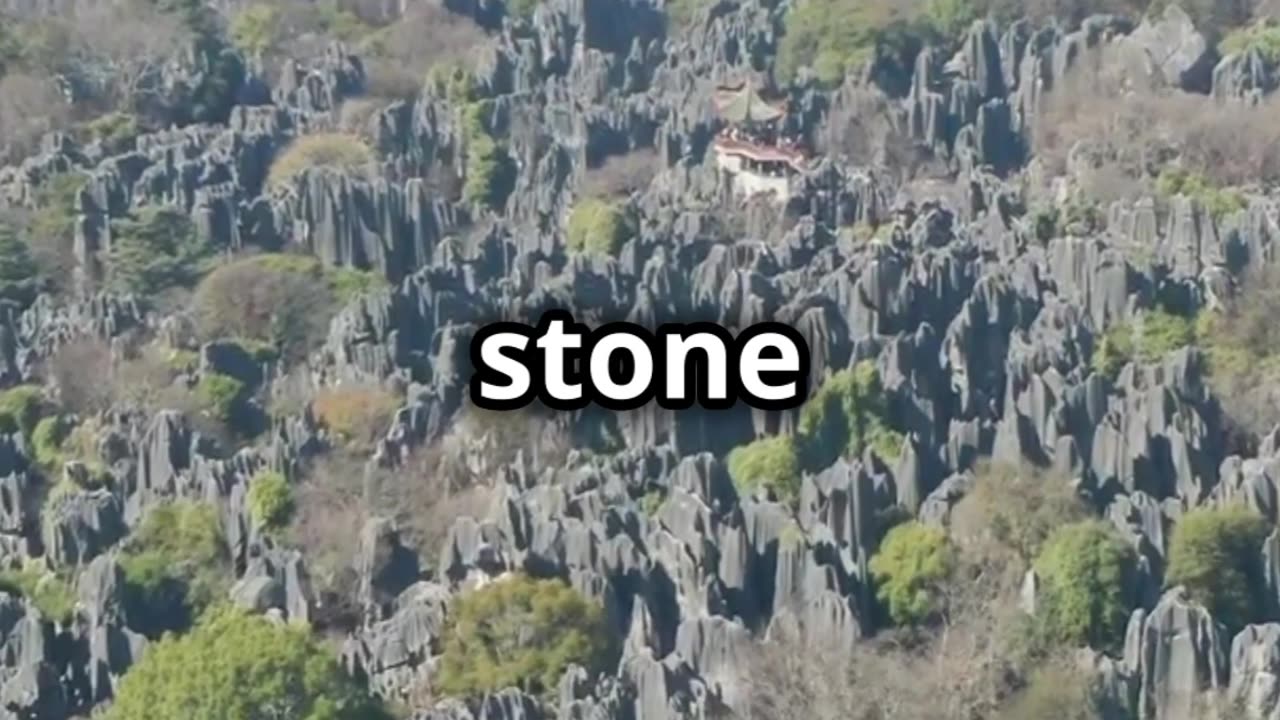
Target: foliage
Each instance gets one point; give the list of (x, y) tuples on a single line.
[(20, 409), (1017, 507), (835, 36), (846, 415), (651, 502), (490, 173), (1262, 36), (282, 301), (597, 226), (115, 130), (1218, 201), (453, 82), (52, 595), (522, 8), (338, 151), (1058, 690), (236, 665), (1148, 339), (155, 250), (1084, 570), (913, 561), (47, 439), (50, 233), (1213, 553), (270, 500), (18, 271), (256, 29), (357, 414), (520, 632), (767, 464), (175, 566), (221, 395)]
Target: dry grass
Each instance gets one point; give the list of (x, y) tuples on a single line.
[(339, 151), (620, 175), (359, 415)]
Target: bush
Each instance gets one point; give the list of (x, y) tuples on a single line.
[(767, 464), (845, 416), (154, 251), (1017, 507), (18, 271), (1214, 554), (597, 227), (222, 396), (115, 130), (834, 37), (285, 301), (175, 566), (51, 232), (236, 665), (520, 632), (337, 151), (909, 568), (1218, 201), (1084, 570), (490, 173), (20, 409), (50, 594), (1263, 36), (1058, 690), (47, 440), (1149, 338), (359, 415), (270, 501), (256, 30)]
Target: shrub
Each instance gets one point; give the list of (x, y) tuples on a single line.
[(18, 271), (359, 415), (20, 409), (337, 151), (47, 439), (255, 30), (1017, 507), (236, 665), (1218, 201), (175, 565), (1058, 690), (221, 395), (270, 501), (285, 301), (49, 593), (155, 250), (1263, 36), (1214, 554), (909, 568), (522, 8), (597, 227), (51, 232), (845, 416), (1084, 569), (490, 173), (1149, 338), (520, 632), (115, 130), (767, 464), (835, 36)]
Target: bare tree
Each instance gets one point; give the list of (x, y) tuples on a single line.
[(30, 106), (122, 48)]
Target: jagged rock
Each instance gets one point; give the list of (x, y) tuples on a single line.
[(385, 567), (1255, 672), (80, 525), (1181, 653)]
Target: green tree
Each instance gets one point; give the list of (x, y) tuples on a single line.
[(769, 464), (155, 250), (520, 632), (255, 30), (18, 271), (909, 569), (1214, 554), (221, 395), (834, 37), (1086, 594), (597, 226), (175, 565), (490, 173), (846, 415), (21, 408), (270, 501), (236, 665)]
